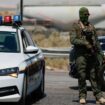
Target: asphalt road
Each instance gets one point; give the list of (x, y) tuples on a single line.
[(60, 89)]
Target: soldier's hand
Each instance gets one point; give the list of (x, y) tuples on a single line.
[(88, 45)]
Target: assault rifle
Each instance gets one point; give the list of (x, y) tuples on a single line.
[(88, 35)]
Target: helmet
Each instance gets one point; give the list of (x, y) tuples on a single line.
[(84, 14)]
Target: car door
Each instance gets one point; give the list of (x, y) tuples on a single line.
[(34, 72)]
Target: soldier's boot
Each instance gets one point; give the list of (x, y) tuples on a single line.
[(82, 101), (101, 101)]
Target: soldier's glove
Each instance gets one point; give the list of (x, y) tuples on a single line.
[(88, 45), (90, 48)]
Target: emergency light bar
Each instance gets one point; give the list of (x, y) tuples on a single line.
[(9, 20)]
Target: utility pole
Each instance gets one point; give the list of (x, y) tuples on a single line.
[(21, 9)]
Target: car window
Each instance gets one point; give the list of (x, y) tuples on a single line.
[(102, 43), (26, 39), (9, 42), (102, 40), (29, 38)]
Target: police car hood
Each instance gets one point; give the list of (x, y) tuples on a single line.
[(10, 60)]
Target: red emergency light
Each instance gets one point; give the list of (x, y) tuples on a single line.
[(7, 19)]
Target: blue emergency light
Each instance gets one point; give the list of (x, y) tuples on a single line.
[(17, 18), (0, 19)]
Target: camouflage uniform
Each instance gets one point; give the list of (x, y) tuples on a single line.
[(87, 53)]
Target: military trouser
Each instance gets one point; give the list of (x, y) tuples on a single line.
[(86, 67)]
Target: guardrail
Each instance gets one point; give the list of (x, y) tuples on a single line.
[(56, 52)]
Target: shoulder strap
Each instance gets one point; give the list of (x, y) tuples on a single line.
[(81, 25)]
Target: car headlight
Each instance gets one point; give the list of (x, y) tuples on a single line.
[(10, 71)]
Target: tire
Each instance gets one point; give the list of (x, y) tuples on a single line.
[(23, 98), (102, 78), (41, 88), (39, 92)]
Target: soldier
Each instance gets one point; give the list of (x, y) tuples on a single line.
[(83, 37)]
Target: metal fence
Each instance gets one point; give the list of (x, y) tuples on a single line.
[(56, 52)]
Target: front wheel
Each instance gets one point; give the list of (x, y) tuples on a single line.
[(41, 88)]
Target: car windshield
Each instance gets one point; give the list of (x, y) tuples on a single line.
[(102, 43), (9, 42)]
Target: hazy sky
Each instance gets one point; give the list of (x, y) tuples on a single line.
[(64, 2), (45, 2), (8, 2)]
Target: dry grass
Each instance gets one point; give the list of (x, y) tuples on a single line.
[(54, 40), (57, 63), (6, 13)]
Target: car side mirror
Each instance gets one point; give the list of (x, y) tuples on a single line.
[(31, 49)]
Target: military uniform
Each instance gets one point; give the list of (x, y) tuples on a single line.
[(87, 54)]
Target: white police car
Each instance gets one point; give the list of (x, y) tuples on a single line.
[(22, 64)]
